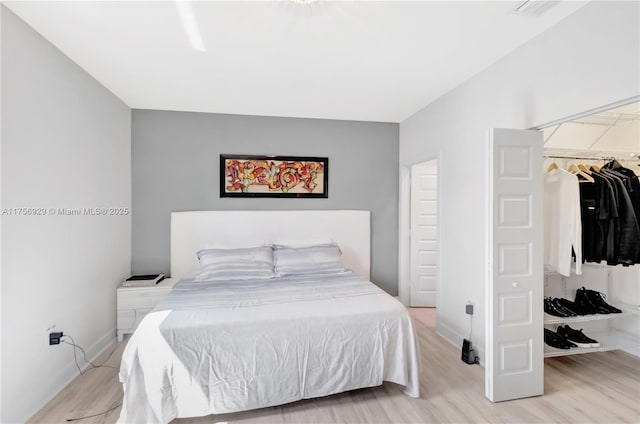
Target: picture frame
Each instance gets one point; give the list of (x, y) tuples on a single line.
[(274, 176)]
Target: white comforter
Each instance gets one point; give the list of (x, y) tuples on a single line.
[(213, 347)]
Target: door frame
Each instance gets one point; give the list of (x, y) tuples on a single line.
[(404, 230)]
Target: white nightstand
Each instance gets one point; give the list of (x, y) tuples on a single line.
[(136, 302)]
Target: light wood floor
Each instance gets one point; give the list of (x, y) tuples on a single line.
[(596, 387)]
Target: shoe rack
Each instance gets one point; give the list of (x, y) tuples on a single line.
[(597, 326)]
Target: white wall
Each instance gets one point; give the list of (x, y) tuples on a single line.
[(586, 61), (66, 143), (626, 290)]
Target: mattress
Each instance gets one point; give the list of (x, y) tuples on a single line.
[(216, 347)]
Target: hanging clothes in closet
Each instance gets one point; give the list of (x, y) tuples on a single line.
[(607, 201), (634, 194), (562, 222), (615, 236), (608, 208)]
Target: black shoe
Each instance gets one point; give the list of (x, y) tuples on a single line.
[(577, 337), (568, 305), (551, 309), (556, 340), (585, 306), (557, 302), (597, 299)]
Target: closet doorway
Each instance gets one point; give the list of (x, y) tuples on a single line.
[(424, 268), (595, 147), (517, 281)]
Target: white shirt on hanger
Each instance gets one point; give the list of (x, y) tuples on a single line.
[(562, 223)]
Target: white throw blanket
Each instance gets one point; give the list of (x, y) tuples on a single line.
[(219, 347)]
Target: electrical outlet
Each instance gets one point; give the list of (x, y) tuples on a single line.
[(54, 338), (469, 309)]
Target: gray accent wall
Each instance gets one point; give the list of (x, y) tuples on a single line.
[(175, 165)]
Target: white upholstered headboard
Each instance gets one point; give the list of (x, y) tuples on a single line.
[(192, 231)]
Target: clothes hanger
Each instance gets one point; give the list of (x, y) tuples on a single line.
[(573, 168), (552, 167), (584, 169), (595, 168), (614, 164)]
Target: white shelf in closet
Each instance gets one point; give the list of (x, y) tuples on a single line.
[(613, 341), (626, 309), (550, 319), (630, 309), (587, 266)]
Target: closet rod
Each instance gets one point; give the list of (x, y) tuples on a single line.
[(581, 157)]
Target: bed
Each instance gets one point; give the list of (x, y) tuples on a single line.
[(220, 346)]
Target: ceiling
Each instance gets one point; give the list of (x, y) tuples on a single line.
[(370, 61)]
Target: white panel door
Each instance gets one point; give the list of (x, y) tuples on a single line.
[(424, 233), (515, 361)]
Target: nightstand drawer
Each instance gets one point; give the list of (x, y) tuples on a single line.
[(134, 302), (140, 299), (128, 320)]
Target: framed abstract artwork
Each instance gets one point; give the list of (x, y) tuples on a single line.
[(274, 176)]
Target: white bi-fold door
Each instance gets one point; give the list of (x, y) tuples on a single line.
[(424, 233), (514, 339)]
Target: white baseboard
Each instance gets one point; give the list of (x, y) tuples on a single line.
[(456, 339), (69, 372)]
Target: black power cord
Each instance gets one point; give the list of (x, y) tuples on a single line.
[(95, 415), (84, 354), (93, 366)]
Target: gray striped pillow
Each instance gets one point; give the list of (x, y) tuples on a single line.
[(254, 262), (322, 258)]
